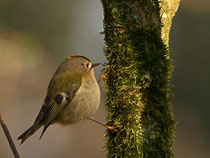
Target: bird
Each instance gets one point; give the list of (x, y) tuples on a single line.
[(73, 95)]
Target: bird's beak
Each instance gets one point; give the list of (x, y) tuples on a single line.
[(95, 64)]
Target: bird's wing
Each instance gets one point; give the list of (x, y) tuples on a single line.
[(57, 104), (64, 93)]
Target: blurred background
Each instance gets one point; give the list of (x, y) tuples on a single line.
[(35, 36)]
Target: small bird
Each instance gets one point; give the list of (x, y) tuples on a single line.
[(73, 95)]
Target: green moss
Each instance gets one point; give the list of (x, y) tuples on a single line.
[(139, 91)]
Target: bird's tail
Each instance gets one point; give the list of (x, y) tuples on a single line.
[(28, 133)]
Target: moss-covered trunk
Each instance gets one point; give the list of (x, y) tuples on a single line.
[(138, 79)]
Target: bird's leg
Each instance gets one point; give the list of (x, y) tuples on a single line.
[(103, 74), (108, 127)]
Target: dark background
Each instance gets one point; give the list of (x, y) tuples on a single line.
[(35, 36)]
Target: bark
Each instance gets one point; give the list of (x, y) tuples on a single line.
[(138, 77)]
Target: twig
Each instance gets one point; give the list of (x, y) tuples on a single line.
[(9, 138)]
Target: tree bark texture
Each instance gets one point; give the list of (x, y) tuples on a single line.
[(138, 78)]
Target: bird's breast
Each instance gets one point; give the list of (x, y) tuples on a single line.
[(84, 104)]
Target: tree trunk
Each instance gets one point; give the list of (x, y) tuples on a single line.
[(138, 78)]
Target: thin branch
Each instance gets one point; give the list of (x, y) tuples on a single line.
[(9, 138)]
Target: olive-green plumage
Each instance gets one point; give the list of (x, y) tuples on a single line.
[(73, 95)]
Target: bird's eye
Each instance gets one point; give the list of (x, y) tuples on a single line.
[(87, 65)]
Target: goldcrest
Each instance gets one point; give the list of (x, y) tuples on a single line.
[(73, 95)]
